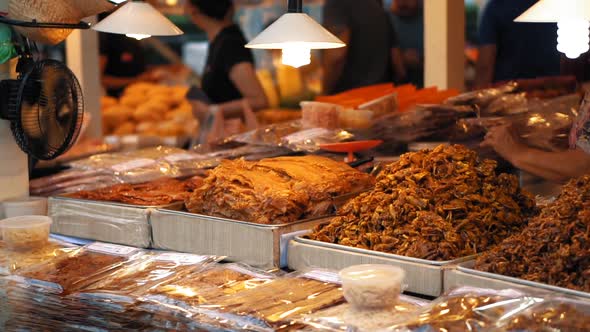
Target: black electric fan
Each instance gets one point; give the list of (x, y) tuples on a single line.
[(44, 105)]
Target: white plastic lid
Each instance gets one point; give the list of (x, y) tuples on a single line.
[(25, 222), (373, 273)]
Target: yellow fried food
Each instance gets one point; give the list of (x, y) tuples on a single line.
[(107, 101), (132, 100), (126, 128), (150, 111)]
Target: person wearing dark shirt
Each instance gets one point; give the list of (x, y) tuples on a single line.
[(229, 78), (366, 30), (510, 50), (407, 18), (122, 62)]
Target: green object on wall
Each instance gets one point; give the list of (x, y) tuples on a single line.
[(7, 50)]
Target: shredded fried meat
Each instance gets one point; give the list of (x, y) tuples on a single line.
[(439, 204)]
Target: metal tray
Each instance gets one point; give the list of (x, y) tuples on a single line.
[(254, 244), (422, 276), (103, 221), (464, 275)]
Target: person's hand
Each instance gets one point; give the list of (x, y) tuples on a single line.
[(200, 110), (504, 141)]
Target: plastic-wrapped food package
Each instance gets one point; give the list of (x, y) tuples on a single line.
[(112, 299), (70, 272), (108, 169), (553, 314), (467, 309), (293, 136), (278, 303), (580, 133), (11, 261), (208, 285), (482, 98), (544, 124), (174, 302), (425, 122), (344, 318)]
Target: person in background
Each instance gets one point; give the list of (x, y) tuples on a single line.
[(122, 62), (229, 78), (510, 50), (365, 28), (407, 18)]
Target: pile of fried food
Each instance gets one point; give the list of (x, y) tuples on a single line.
[(151, 110), (155, 193), (275, 190), (555, 246), (439, 204)]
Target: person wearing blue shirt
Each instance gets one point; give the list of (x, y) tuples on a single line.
[(510, 50)]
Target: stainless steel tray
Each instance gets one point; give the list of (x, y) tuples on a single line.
[(422, 276), (254, 244), (103, 221), (464, 275)]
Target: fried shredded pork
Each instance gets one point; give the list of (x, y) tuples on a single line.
[(276, 190), (439, 204), (159, 192), (555, 246)]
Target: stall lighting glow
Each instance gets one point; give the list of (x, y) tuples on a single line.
[(137, 36), (296, 34), (296, 55), (573, 38), (573, 23), (139, 20)]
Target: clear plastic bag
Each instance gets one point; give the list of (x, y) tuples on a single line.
[(580, 133), (423, 123), (279, 303), (293, 136), (543, 124), (482, 98), (467, 309), (344, 318), (551, 314), (75, 270), (11, 261)]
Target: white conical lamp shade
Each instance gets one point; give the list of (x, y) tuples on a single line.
[(139, 20), (295, 29), (551, 11), (573, 22)]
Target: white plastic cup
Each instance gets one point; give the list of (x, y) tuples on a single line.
[(372, 286), (25, 206), (25, 232)]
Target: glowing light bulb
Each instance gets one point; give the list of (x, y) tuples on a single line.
[(137, 36), (296, 55), (573, 37)]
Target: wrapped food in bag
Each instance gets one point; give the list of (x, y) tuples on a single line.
[(277, 304), (11, 261), (75, 270)]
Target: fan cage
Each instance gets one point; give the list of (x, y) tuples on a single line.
[(51, 110)]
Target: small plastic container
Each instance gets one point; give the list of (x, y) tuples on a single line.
[(319, 115), (25, 232), (25, 206), (372, 286), (355, 119)]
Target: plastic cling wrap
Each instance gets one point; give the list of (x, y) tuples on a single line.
[(207, 286), (70, 272), (345, 318), (468, 309), (12, 261), (281, 301), (293, 136)]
